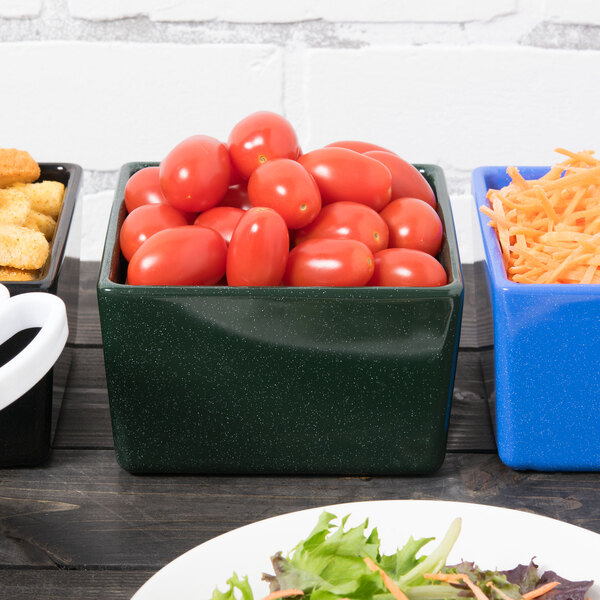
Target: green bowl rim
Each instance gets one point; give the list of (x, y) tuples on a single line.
[(454, 288)]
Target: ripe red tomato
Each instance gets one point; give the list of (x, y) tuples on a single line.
[(413, 224), (194, 176), (234, 177), (357, 146), (260, 137), (189, 255), (223, 219), (143, 188), (348, 220), (325, 262), (237, 196), (406, 179), (345, 175), (287, 187), (398, 267), (258, 250), (144, 222)]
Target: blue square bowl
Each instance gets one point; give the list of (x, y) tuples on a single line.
[(546, 405)]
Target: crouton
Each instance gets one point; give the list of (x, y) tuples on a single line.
[(40, 222), (17, 166), (12, 274), (14, 207), (45, 197), (22, 248)]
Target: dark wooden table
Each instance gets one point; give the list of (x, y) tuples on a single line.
[(81, 527)]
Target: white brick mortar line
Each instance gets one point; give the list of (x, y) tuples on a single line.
[(533, 24)]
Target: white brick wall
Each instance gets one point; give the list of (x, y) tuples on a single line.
[(105, 104), (276, 11), (20, 8), (459, 83), (460, 107), (573, 11)]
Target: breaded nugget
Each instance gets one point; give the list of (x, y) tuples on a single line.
[(17, 165), (14, 206), (11, 274), (40, 222), (45, 197), (22, 248)]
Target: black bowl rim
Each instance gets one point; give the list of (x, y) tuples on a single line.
[(59, 241)]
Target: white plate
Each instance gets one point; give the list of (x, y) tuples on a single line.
[(491, 537)]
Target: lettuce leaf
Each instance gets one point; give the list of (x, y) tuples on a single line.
[(235, 583), (330, 564), (525, 576), (567, 590)]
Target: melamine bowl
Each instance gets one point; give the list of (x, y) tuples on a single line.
[(546, 404), (279, 380)]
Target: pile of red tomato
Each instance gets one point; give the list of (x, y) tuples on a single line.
[(353, 214)]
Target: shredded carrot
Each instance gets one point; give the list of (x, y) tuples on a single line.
[(518, 178), (449, 577), (549, 228), (499, 591), (283, 594), (457, 578), (543, 589), (476, 591), (387, 580)]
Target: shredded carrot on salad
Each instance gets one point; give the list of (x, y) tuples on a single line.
[(541, 590), (457, 578), (387, 580)]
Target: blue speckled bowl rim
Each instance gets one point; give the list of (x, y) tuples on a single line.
[(454, 288), (491, 244)]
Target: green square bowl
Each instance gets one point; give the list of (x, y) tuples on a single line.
[(273, 380)]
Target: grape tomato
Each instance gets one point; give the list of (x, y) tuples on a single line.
[(288, 188), (413, 224), (327, 262), (401, 267), (189, 255), (258, 251), (348, 220), (194, 176), (345, 175), (260, 137)]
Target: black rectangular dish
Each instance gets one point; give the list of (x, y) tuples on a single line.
[(27, 425)]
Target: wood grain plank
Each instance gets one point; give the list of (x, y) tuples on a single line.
[(85, 420), (477, 325), (88, 326), (83, 511), (470, 428), (52, 584)]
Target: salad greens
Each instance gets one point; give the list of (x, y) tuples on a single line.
[(333, 563)]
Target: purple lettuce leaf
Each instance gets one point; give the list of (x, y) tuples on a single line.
[(567, 590)]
